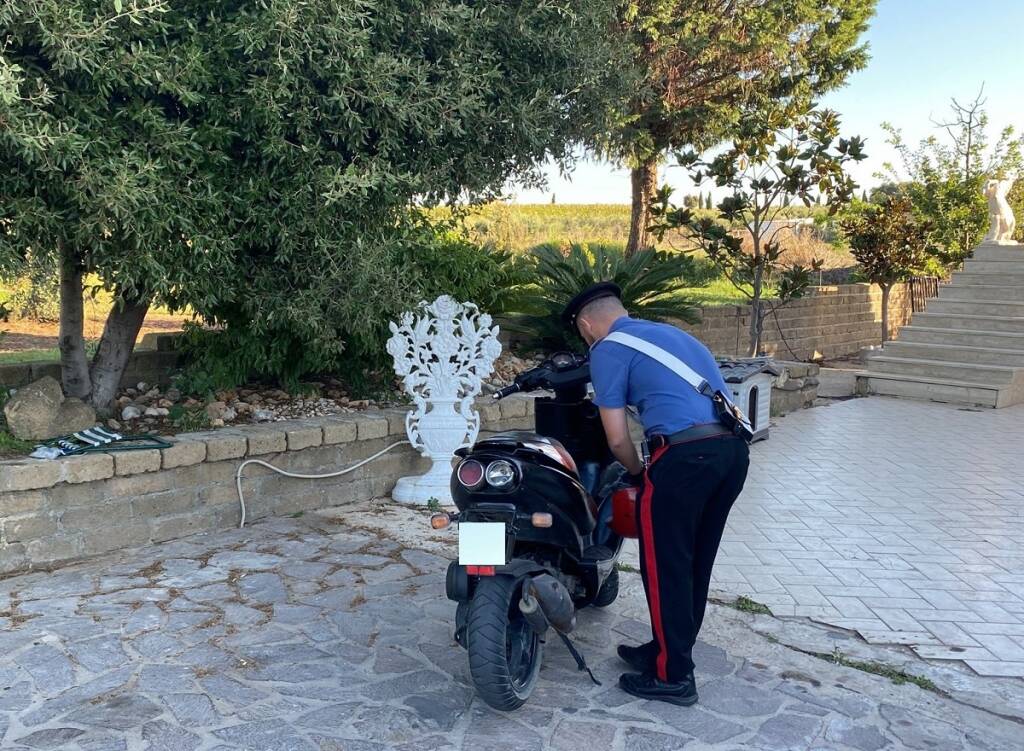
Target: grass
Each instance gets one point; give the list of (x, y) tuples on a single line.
[(625, 567), (897, 676), (747, 605), (29, 355), (14, 448)]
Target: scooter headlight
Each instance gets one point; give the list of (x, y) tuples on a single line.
[(500, 474)]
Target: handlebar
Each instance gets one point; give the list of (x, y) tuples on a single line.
[(507, 391)]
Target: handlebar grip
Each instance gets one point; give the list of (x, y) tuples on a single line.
[(507, 391)]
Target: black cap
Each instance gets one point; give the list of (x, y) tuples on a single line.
[(587, 296)]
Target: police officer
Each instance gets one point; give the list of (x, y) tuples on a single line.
[(696, 470)]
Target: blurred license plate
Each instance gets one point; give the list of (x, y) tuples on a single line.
[(481, 544)]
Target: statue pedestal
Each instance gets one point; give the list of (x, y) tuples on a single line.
[(421, 489)]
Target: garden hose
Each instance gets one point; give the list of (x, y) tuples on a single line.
[(286, 473)]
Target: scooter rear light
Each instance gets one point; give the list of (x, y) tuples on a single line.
[(480, 570), (470, 473)]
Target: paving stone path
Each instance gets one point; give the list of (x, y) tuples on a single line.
[(299, 634), (898, 519)]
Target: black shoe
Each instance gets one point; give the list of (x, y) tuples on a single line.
[(641, 658), (646, 686)]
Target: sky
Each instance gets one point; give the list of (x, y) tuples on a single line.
[(922, 53)]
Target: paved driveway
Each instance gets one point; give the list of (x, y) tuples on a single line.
[(901, 520), (298, 635)]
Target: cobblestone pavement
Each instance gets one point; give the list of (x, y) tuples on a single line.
[(901, 520), (300, 634)]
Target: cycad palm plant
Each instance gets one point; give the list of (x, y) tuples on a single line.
[(651, 283)]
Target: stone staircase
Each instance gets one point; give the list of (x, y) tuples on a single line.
[(967, 347)]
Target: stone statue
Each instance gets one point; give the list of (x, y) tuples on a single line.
[(1000, 215)]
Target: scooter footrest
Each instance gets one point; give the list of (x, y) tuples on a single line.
[(597, 553)]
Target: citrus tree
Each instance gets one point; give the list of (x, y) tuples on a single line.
[(890, 242), (266, 164)]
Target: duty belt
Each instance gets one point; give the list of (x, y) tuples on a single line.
[(696, 433)]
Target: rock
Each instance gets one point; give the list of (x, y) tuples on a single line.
[(157, 412), (165, 403), (142, 386), (215, 410), (39, 411), (73, 415), (131, 412), (228, 415), (217, 422), (173, 395), (31, 410), (243, 408), (263, 415), (113, 424)]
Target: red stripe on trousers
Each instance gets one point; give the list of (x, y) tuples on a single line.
[(647, 530)]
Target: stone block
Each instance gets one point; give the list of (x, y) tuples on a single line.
[(21, 502), (490, 411), (396, 420), (28, 474), (116, 536), (371, 426), (171, 527), (13, 558), (136, 462), (86, 468), (303, 436), (27, 527), (54, 549), (218, 493), (163, 504), (152, 482), (183, 453), (513, 407), (339, 429), (265, 441), (95, 514), (222, 445), (13, 376)]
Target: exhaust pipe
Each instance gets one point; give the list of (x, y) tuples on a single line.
[(546, 602)]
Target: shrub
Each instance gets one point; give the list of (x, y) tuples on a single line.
[(336, 340), (651, 283)]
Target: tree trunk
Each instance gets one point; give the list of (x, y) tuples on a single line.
[(756, 314), (886, 289), (119, 334), (644, 179), (74, 366)]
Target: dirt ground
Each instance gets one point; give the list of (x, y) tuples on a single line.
[(23, 334)]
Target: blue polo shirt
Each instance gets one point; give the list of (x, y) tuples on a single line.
[(667, 404)]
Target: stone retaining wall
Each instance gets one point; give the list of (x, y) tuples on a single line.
[(829, 322), (796, 388), (56, 511)]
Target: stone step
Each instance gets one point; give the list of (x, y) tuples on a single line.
[(1008, 308), (955, 353), (1013, 278), (998, 253), (980, 292), (992, 375), (970, 322), (977, 266), (935, 390), (963, 337)]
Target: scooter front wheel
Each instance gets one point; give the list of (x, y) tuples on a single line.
[(504, 651)]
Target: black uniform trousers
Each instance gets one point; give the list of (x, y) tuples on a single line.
[(688, 492)]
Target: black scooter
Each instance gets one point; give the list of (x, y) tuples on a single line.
[(534, 542)]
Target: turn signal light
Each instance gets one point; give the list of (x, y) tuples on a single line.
[(541, 520), (441, 520)]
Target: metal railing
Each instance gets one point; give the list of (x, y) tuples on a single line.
[(922, 288)]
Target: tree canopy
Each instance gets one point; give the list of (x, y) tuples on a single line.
[(264, 163), (700, 64)]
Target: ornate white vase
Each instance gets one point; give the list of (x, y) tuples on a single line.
[(442, 352)]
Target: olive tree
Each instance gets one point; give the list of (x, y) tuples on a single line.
[(266, 164)]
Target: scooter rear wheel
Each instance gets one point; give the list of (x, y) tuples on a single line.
[(609, 590), (504, 651)]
